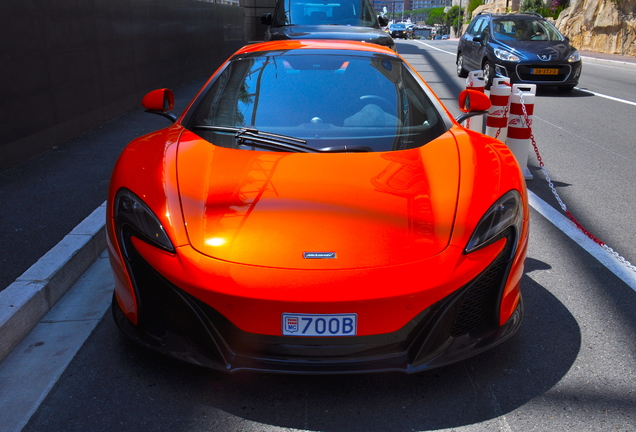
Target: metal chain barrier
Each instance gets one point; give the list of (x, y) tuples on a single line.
[(505, 114), (561, 203)]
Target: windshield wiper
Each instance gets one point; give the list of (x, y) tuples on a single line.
[(277, 142), (265, 140), (272, 141)]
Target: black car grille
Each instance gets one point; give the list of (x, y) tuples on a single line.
[(525, 72), (480, 303), (176, 323)]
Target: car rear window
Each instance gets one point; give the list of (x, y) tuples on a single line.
[(339, 12)]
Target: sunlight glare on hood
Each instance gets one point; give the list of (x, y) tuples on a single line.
[(215, 241)]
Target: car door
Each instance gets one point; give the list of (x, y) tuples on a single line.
[(471, 48)]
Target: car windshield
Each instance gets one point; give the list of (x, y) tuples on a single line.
[(523, 29), (327, 100), (339, 12), (398, 26)]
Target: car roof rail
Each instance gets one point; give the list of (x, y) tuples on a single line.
[(509, 14)]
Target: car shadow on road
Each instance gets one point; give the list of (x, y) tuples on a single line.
[(476, 390), (148, 391)]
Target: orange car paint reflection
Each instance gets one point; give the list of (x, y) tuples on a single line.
[(267, 208)]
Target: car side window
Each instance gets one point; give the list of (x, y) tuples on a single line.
[(485, 30), (477, 28), (469, 30)]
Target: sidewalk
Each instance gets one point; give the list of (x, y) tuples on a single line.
[(608, 57)]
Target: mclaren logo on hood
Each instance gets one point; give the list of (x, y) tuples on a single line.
[(319, 255)]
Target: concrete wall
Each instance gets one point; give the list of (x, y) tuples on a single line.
[(254, 30), (69, 65)]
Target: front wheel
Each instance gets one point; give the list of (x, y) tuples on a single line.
[(461, 72), (489, 73)]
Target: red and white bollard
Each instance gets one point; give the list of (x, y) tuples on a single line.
[(520, 124), (497, 119), (475, 81)]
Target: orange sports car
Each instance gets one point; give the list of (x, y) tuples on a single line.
[(316, 209)]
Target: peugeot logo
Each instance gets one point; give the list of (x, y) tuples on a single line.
[(544, 57)]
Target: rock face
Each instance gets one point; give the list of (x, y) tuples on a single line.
[(607, 26), (602, 26)]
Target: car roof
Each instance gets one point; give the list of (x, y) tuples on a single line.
[(526, 15), (306, 44)]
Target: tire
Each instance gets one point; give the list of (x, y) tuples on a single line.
[(461, 72), (489, 73), (565, 89)]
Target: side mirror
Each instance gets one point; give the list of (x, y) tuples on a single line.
[(160, 102), (266, 19), (472, 102), (383, 21), (478, 39)]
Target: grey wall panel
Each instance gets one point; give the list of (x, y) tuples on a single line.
[(69, 65)]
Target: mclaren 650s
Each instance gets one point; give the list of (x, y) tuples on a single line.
[(316, 209)]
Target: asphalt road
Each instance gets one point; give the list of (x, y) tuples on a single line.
[(571, 367)]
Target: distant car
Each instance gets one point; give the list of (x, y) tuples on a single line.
[(444, 37), (524, 47), (316, 209), (339, 19), (400, 30)]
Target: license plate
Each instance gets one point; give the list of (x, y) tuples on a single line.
[(541, 71), (319, 324)]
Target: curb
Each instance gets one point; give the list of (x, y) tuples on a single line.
[(35, 292)]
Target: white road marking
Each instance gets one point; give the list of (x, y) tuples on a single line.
[(612, 98)]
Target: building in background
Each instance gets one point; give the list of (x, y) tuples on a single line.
[(399, 6)]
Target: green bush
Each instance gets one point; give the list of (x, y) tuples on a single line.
[(532, 6), (472, 5)]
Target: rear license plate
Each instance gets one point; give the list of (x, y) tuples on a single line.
[(319, 324), (543, 71)]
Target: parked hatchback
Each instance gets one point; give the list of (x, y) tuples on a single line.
[(524, 47)]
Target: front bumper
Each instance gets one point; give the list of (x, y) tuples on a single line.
[(399, 34), (568, 74), (458, 326)]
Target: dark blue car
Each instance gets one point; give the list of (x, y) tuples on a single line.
[(339, 19), (524, 47)]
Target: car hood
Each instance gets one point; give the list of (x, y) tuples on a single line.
[(530, 50), (307, 210), (353, 33)]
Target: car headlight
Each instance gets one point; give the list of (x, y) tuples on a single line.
[(132, 212), (506, 55), (574, 57), (506, 212)]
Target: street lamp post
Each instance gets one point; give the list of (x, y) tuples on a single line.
[(459, 14)]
